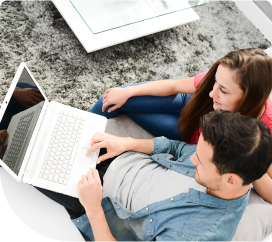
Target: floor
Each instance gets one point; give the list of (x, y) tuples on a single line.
[(266, 7), (259, 13)]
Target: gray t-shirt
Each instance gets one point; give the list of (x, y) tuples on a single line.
[(137, 181)]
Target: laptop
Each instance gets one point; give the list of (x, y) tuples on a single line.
[(47, 141)]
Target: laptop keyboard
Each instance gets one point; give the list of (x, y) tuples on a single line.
[(60, 155), (18, 139)]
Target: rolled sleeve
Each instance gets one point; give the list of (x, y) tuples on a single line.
[(83, 224), (166, 146)]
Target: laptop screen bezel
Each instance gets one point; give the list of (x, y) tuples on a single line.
[(34, 135)]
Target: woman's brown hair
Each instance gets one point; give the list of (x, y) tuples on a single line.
[(253, 69)]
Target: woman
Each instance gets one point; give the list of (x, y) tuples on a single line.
[(242, 76), (240, 81)]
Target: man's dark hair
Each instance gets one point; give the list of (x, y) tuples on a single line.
[(242, 145)]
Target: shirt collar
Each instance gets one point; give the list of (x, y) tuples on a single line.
[(201, 198)]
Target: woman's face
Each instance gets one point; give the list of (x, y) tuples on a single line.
[(226, 93)]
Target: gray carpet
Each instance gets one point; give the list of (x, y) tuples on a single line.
[(35, 33)]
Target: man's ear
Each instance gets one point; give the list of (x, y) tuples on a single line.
[(233, 180)]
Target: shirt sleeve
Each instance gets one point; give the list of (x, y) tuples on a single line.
[(220, 233), (198, 78), (167, 146)]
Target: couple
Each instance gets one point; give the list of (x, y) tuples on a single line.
[(241, 82), (170, 190)]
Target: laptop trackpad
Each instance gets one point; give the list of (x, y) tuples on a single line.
[(87, 161)]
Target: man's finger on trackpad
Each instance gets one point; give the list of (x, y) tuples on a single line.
[(86, 145), (87, 160), (87, 142)]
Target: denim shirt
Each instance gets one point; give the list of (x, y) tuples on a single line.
[(191, 216)]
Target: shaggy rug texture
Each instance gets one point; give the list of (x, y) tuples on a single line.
[(34, 32)]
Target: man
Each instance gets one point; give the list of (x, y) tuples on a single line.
[(170, 190)]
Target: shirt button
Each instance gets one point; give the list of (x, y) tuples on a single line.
[(172, 199), (187, 172), (115, 203), (147, 209), (150, 220), (185, 154), (158, 158), (170, 166), (78, 221)]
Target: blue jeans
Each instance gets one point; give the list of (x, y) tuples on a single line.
[(158, 115)]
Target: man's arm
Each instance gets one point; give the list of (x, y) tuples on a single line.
[(99, 225), (117, 145), (90, 196)]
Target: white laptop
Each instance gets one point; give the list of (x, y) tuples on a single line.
[(47, 141)]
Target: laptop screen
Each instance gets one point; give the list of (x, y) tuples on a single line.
[(19, 121)]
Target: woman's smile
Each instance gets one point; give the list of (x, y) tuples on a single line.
[(217, 103)]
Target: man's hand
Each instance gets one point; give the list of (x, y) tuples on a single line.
[(114, 145), (28, 97), (3, 135), (90, 191), (90, 196)]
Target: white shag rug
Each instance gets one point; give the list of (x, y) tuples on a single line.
[(34, 32)]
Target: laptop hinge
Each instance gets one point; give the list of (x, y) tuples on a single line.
[(29, 164), (25, 174), (32, 165)]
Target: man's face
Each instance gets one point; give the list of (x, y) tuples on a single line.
[(206, 173)]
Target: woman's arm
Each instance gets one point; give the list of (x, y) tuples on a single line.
[(119, 96), (263, 186), (163, 88)]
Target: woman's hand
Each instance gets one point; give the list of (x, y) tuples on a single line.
[(116, 97)]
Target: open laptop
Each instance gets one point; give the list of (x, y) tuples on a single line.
[(47, 141)]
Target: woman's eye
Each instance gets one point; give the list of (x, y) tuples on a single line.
[(222, 91), (220, 88)]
